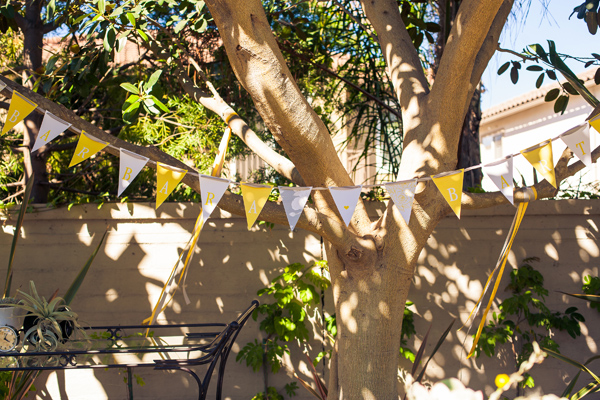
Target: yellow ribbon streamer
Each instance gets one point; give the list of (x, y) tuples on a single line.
[(500, 268), (190, 246)]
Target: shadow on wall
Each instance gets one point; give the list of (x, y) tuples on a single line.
[(229, 266), (232, 264), (459, 257)]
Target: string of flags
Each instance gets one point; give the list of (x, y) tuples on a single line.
[(295, 198)]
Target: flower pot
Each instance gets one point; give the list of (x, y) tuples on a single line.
[(11, 316), (66, 327)]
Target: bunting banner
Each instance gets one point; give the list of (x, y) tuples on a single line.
[(294, 199), (87, 146), (540, 156), (211, 191), (501, 173), (450, 185), (346, 199), (578, 140), (129, 167), (19, 108), (255, 197), (167, 178), (403, 195), (52, 126)]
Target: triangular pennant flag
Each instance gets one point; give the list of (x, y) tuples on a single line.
[(540, 156), (167, 178), (578, 140), (20, 107), (294, 200), (255, 198), (451, 188), (346, 199), (211, 191), (501, 173), (51, 127), (402, 194), (130, 165), (87, 146), (595, 120)]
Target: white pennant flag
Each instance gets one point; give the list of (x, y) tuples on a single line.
[(130, 166), (402, 194), (501, 173), (346, 198), (578, 140), (211, 191), (294, 200), (52, 126)]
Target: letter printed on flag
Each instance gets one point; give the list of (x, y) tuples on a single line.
[(211, 191), (540, 156), (51, 127), (402, 194), (19, 108), (130, 166), (255, 198), (501, 173), (578, 140), (87, 146), (167, 178), (294, 200), (451, 188), (346, 199)]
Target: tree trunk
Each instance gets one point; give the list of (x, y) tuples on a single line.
[(469, 153), (369, 304), (33, 42)]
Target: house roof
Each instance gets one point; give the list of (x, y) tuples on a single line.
[(587, 77)]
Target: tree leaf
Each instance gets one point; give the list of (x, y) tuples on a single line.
[(597, 77), (551, 74), (152, 81), (131, 19), (514, 74), (552, 95), (503, 68), (159, 104), (180, 25), (535, 68), (540, 80), (569, 89), (561, 104), (101, 6), (129, 87)]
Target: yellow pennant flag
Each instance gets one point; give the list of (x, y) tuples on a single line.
[(255, 198), (451, 188), (87, 146), (20, 107), (540, 156), (167, 178), (595, 123)]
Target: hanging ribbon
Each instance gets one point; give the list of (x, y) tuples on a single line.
[(170, 288), (514, 228)]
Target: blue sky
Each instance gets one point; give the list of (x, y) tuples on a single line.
[(571, 37)]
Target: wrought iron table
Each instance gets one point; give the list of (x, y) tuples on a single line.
[(129, 347)]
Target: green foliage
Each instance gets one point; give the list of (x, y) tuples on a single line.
[(524, 318), (272, 394), (591, 285), (554, 62)]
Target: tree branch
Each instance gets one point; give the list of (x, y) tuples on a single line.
[(403, 63), (262, 71), (451, 89)]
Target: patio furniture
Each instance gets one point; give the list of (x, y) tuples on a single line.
[(129, 347)]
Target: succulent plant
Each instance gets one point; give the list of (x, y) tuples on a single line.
[(46, 332), (9, 301)]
